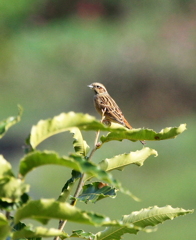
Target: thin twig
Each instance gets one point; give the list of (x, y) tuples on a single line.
[(78, 189), (62, 223)]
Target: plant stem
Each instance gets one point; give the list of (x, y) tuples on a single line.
[(78, 189), (7, 214)]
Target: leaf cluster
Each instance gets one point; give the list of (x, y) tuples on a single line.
[(17, 205)]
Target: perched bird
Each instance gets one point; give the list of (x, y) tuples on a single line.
[(105, 105)]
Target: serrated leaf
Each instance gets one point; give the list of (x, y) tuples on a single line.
[(82, 234), (96, 171), (116, 232), (45, 209), (7, 123), (68, 186), (5, 168), (29, 232), (80, 145), (61, 123), (119, 162), (76, 162), (141, 219), (37, 158), (96, 191), (143, 134), (11, 189), (67, 121), (154, 215), (4, 227)]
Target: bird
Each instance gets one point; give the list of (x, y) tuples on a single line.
[(105, 105)]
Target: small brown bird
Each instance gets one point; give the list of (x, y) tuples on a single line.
[(106, 105)]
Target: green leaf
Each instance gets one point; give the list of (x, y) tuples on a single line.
[(76, 162), (116, 232), (66, 121), (4, 227), (61, 123), (45, 209), (10, 206), (80, 145), (141, 219), (19, 226), (143, 134), (119, 162), (96, 191), (37, 158), (154, 215), (7, 123), (93, 169), (68, 186), (39, 232), (11, 189), (29, 232), (5, 168), (82, 234)]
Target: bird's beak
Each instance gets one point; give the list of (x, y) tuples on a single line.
[(90, 86)]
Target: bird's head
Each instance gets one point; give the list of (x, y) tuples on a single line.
[(97, 88)]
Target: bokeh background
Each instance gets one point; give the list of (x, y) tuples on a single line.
[(144, 52)]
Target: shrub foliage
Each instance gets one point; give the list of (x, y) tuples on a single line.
[(15, 201)]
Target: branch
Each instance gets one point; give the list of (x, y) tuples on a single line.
[(97, 145)]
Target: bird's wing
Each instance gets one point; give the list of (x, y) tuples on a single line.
[(112, 110)]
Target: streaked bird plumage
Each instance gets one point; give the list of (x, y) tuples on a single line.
[(106, 105)]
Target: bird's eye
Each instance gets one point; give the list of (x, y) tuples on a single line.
[(98, 86)]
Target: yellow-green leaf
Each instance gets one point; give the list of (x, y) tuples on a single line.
[(143, 134), (5, 168), (45, 209), (7, 123), (11, 189), (29, 232), (80, 145), (139, 220), (121, 161), (4, 227)]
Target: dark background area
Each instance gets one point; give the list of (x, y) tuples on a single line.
[(144, 52)]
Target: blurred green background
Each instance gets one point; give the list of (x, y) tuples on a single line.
[(144, 52)]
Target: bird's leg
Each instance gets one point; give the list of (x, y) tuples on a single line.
[(103, 114), (104, 120)]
